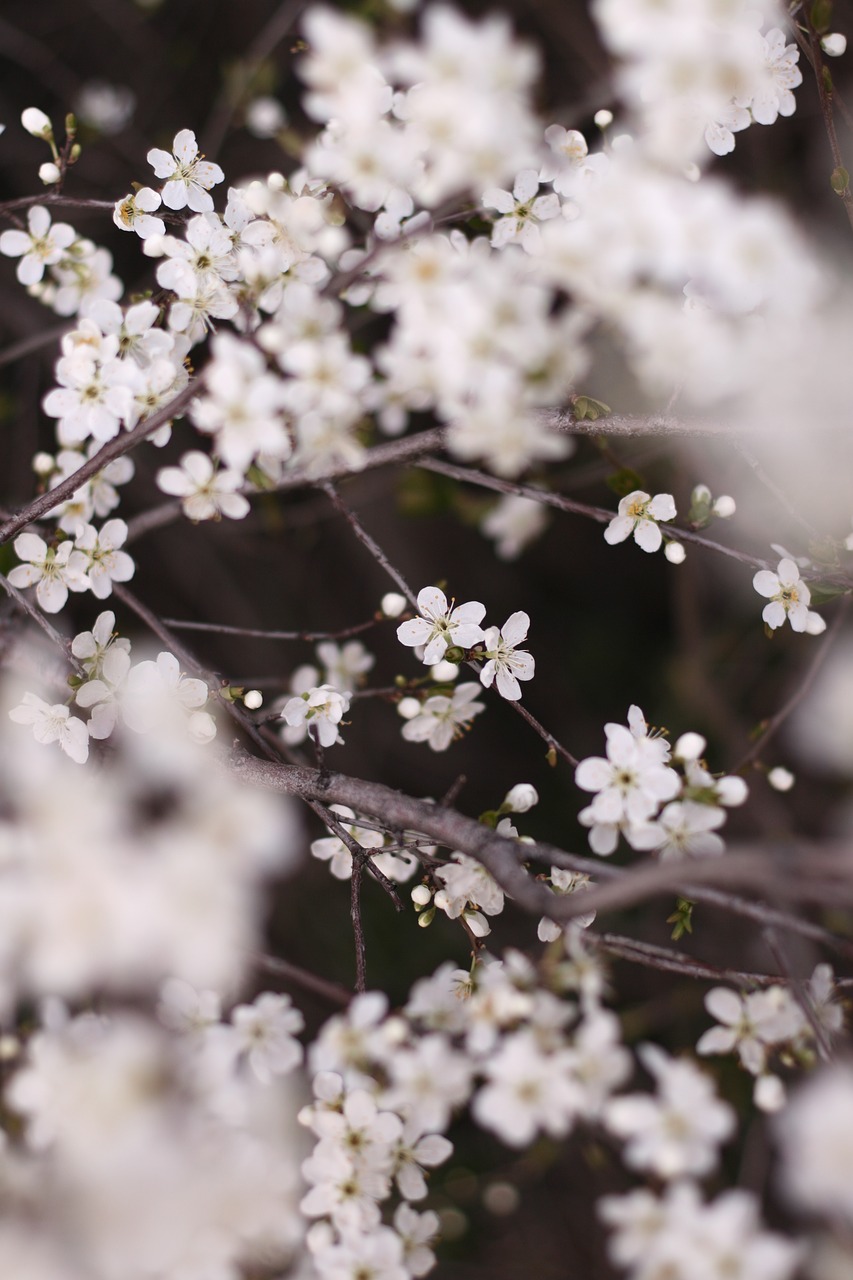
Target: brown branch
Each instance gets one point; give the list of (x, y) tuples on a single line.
[(372, 545), (255, 634), (388, 453), (670, 961), (818, 875), (468, 475), (121, 444), (802, 687), (825, 93), (303, 978)]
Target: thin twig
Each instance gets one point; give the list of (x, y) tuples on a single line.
[(369, 542), (544, 733), (302, 977), (670, 961), (41, 621), (257, 634), (470, 476), (357, 851), (800, 993), (114, 448), (214, 133), (34, 342), (357, 926), (389, 453), (803, 686), (825, 94)]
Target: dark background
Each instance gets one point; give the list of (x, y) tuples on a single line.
[(609, 626)]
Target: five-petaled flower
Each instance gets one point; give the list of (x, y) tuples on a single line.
[(789, 598), (322, 709), (505, 664), (441, 626), (43, 246), (52, 571), (189, 176), (639, 514)]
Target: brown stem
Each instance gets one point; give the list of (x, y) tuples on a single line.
[(114, 448)]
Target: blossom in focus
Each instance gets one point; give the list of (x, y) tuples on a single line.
[(189, 176), (135, 213), (505, 664), (53, 572), (106, 563), (41, 247), (321, 709), (441, 625), (521, 210), (639, 514), (789, 598)]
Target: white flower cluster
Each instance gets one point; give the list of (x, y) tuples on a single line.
[(674, 812), (680, 1236), (756, 1024), (112, 879), (700, 69), (176, 1160), (151, 696), (442, 626)]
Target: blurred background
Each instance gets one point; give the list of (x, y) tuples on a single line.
[(610, 626)]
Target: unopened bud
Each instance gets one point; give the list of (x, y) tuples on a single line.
[(834, 45), (603, 118), (520, 798), (421, 895), (253, 699), (781, 779), (49, 173), (675, 553), (392, 604), (689, 746), (408, 708), (37, 123), (724, 507), (43, 464)]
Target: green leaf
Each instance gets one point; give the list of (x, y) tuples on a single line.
[(821, 16), (584, 407), (823, 592), (840, 181), (681, 918), (624, 482)]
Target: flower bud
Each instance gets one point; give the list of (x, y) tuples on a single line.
[(689, 746), (43, 464), (781, 779), (444, 672), (421, 895), (603, 118), (675, 553), (520, 798), (834, 44), (724, 506), (253, 699), (392, 604), (408, 708), (49, 173), (37, 123)]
